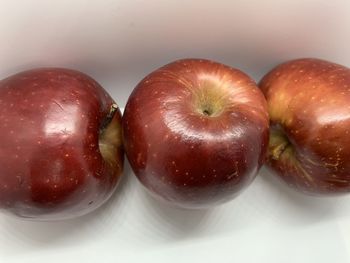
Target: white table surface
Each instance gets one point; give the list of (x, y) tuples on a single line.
[(267, 223)]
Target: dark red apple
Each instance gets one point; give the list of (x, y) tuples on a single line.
[(195, 132), (309, 106), (60, 144)]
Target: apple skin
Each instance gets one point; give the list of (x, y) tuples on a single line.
[(309, 107), (53, 159), (196, 132)]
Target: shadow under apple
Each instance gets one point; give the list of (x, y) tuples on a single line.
[(164, 223), (36, 235), (296, 208), (174, 222)]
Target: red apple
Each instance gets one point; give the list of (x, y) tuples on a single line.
[(195, 132), (60, 144), (309, 106)]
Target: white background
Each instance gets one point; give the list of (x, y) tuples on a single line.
[(118, 43)]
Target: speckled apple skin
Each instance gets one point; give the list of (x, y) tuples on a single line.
[(309, 101), (50, 163), (183, 156)]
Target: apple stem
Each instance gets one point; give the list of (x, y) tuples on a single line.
[(279, 143), (110, 116), (278, 150)]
